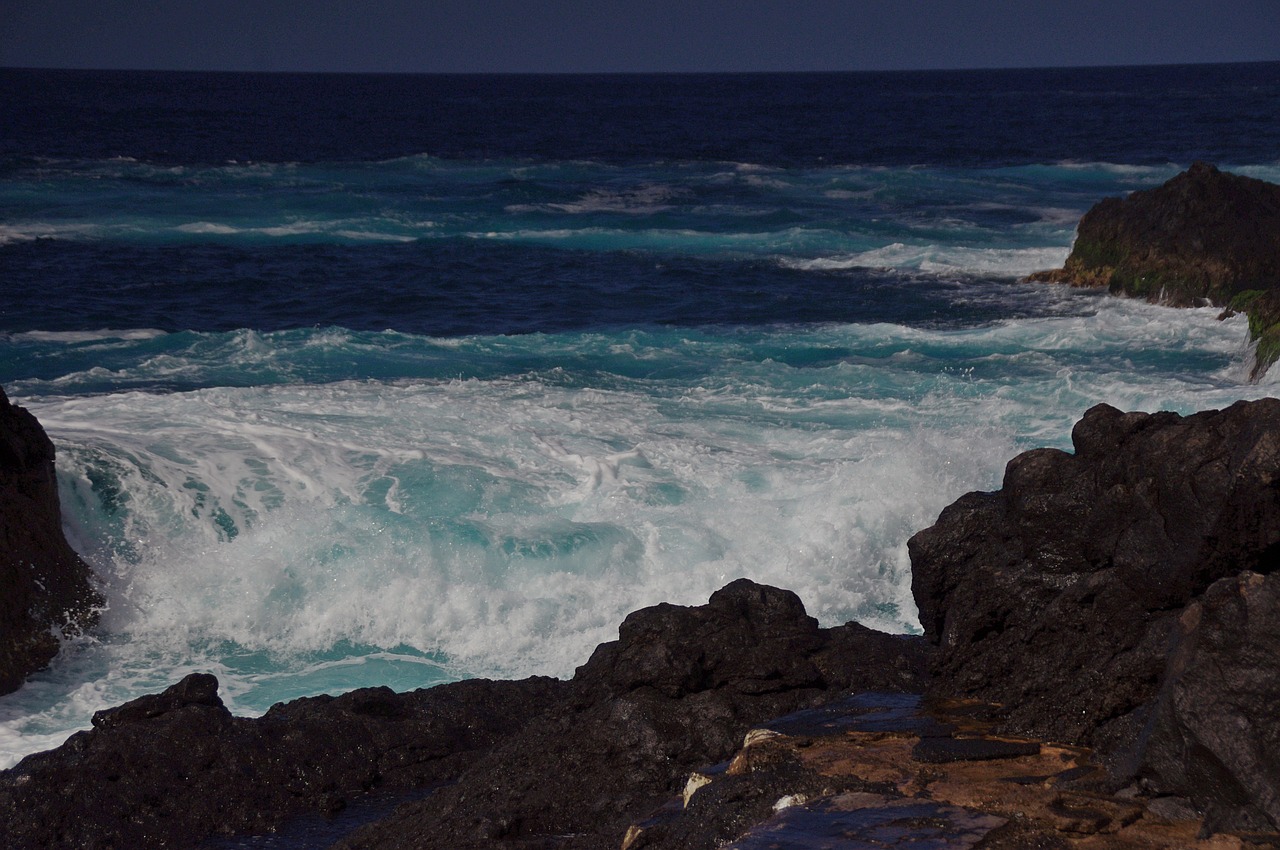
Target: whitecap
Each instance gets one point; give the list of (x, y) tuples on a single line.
[(942, 259), (75, 337), (208, 227)]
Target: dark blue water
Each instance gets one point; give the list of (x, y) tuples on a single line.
[(218, 201), (1140, 115)]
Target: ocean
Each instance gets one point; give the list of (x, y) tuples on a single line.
[(360, 380)]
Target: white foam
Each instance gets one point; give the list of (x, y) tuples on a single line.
[(1151, 173), (641, 200), (633, 492), (33, 230), (208, 227), (1004, 262), (358, 230), (373, 236), (295, 228), (1270, 173), (104, 334)]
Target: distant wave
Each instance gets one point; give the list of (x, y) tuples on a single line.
[(297, 228), (71, 337), (1002, 262)]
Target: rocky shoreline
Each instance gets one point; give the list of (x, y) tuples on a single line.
[(1098, 669)]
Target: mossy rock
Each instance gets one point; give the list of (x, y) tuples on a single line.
[(1205, 237)]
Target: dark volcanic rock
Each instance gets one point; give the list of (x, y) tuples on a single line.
[(1057, 594), (530, 761), (677, 691), (44, 586), (170, 769), (1214, 734), (752, 639), (1204, 237)]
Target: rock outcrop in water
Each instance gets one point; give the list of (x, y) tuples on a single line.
[(45, 588), (1059, 597), (1204, 237)]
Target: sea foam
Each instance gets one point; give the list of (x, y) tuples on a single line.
[(297, 537)]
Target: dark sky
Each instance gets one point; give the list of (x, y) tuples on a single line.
[(631, 35)]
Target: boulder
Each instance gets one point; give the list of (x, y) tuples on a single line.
[(1205, 237), (1058, 595), (46, 590), (1214, 735)]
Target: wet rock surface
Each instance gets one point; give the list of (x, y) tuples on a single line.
[(46, 587), (850, 778)]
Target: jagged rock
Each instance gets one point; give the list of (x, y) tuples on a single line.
[(1214, 735), (45, 588), (1205, 237), (1057, 595), (528, 760), (747, 638)]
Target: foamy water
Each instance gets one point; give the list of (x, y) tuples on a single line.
[(302, 537)]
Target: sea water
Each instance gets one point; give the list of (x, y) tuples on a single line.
[(363, 380)]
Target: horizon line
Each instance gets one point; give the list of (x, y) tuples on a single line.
[(635, 73)]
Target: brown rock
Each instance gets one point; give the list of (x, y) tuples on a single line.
[(1203, 236)]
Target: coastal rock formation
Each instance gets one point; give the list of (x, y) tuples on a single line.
[(1203, 237), (863, 772), (45, 588), (529, 761), (170, 769), (1213, 735), (1058, 595)]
